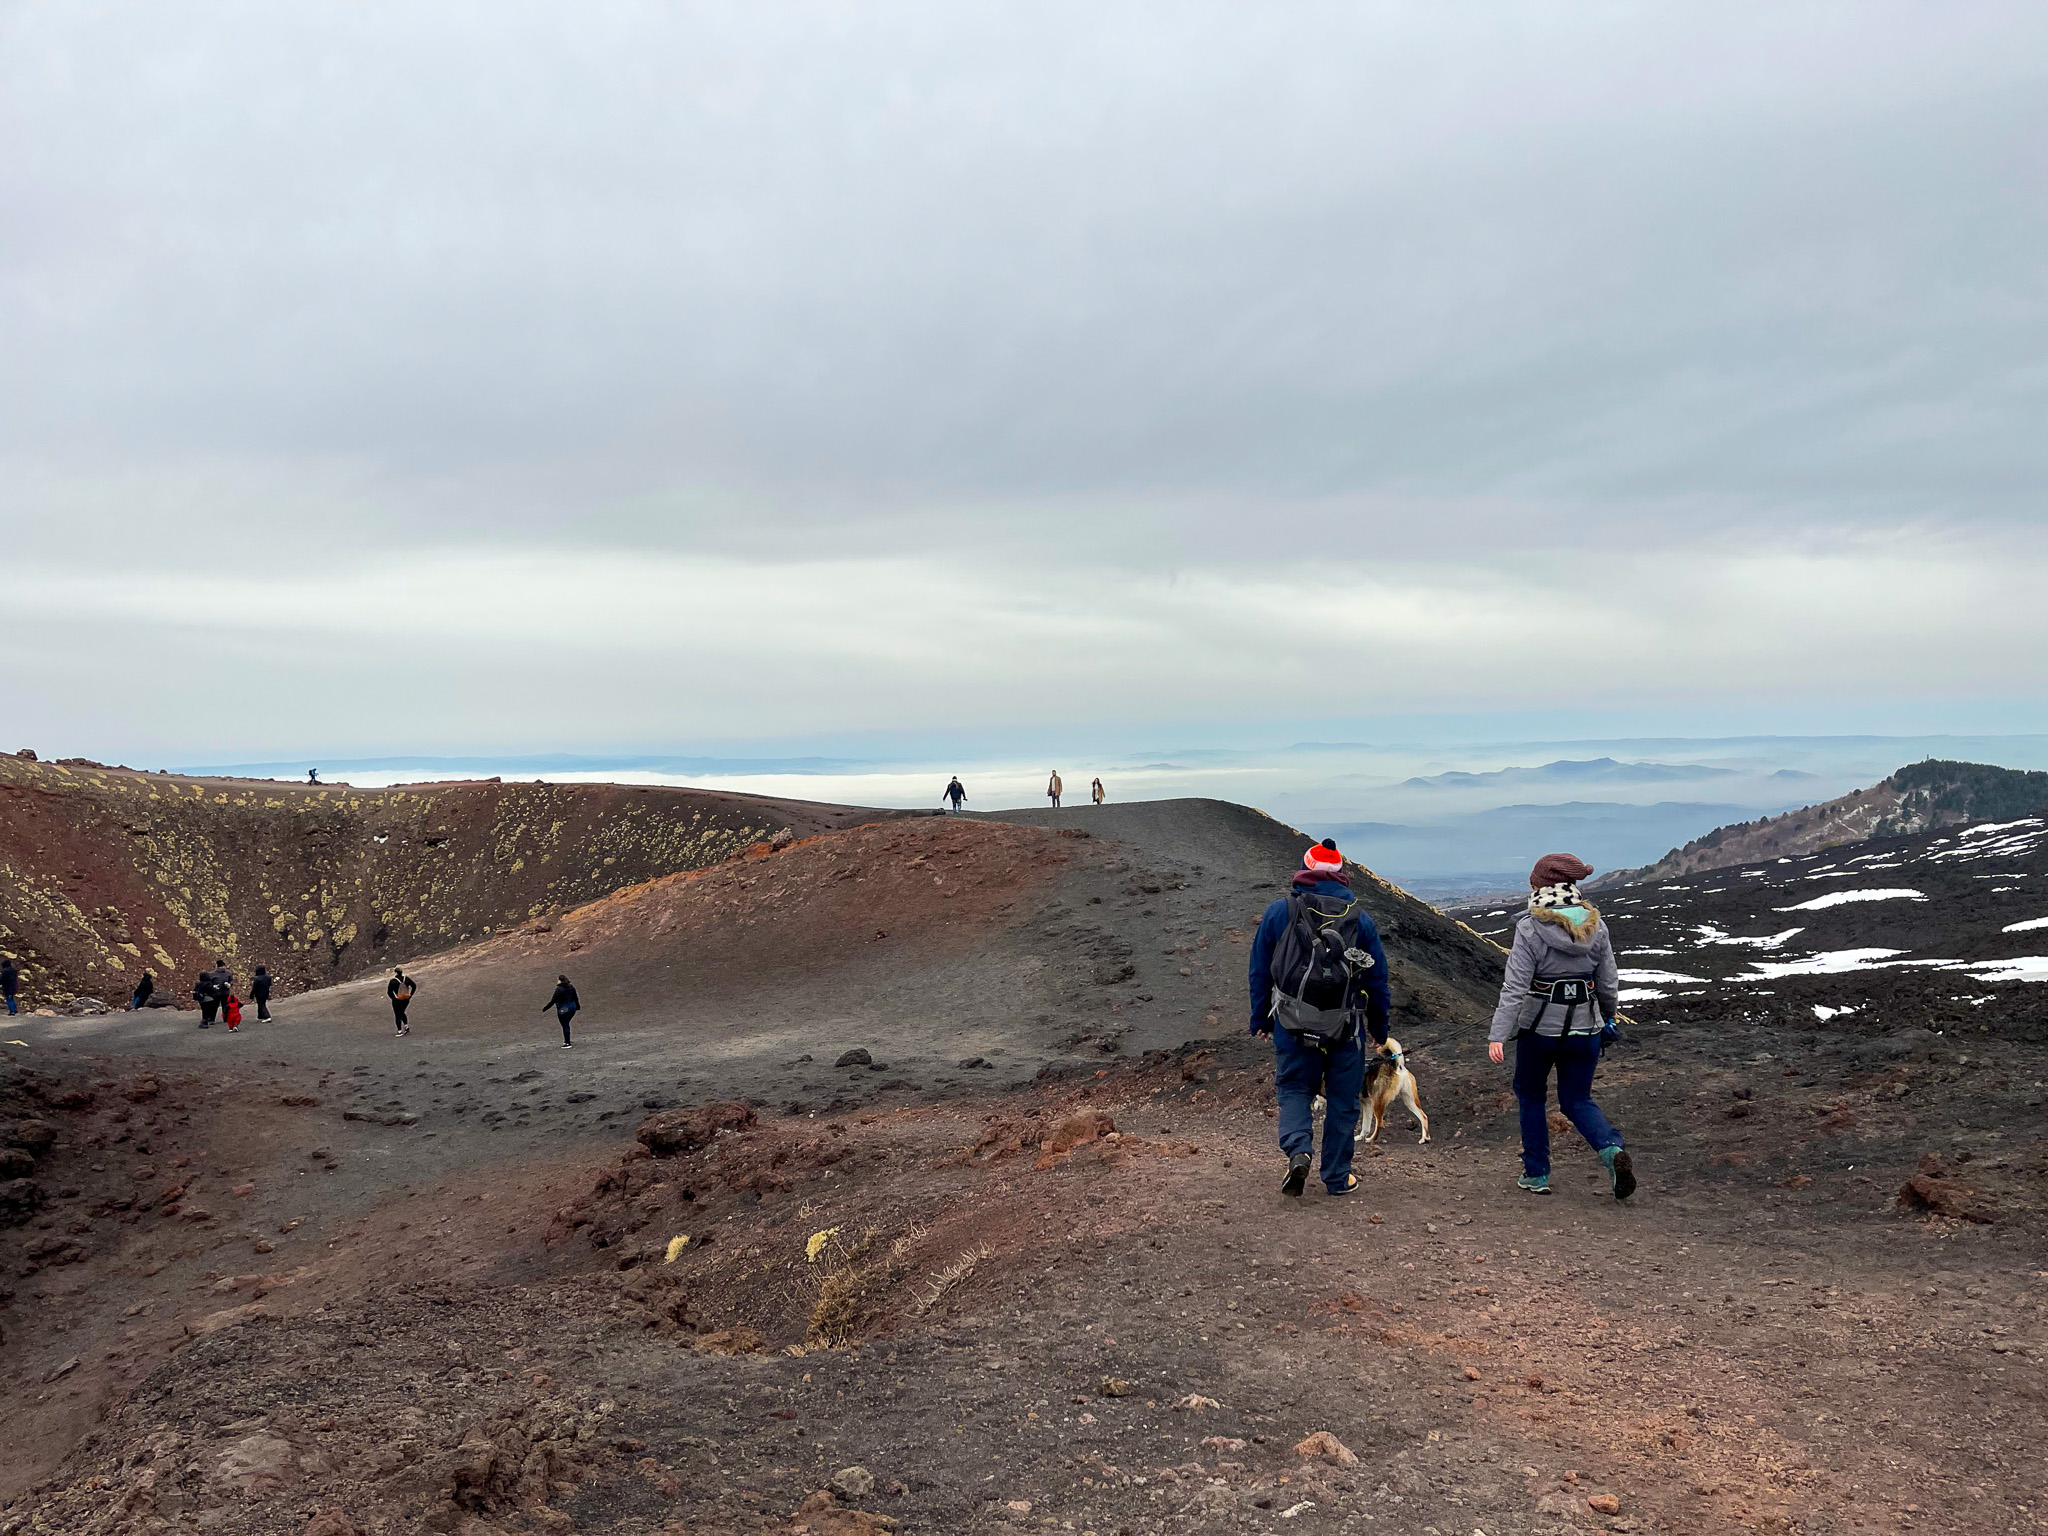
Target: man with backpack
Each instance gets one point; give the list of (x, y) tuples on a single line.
[(954, 791), (400, 990), (1318, 985), (208, 997)]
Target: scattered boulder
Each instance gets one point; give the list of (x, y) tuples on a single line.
[(1324, 1446), (675, 1131), (1932, 1190), (854, 1482), (85, 1006), (330, 1522), (19, 1200), (33, 1136), (141, 1088), (1075, 1130), (1115, 1386), (15, 1163), (1603, 1503), (857, 1057), (513, 1458)]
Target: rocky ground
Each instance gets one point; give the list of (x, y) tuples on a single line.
[(269, 1284)]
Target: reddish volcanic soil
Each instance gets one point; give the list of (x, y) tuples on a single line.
[(312, 1279)]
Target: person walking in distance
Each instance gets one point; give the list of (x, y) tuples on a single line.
[(955, 791), (10, 984), (223, 980), (565, 1005), (259, 993), (400, 990), (1318, 983), (144, 988), (1095, 792), (1053, 789), (1557, 1004), (207, 996)]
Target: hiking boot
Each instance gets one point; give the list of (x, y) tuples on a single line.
[(1297, 1175), (1350, 1183), (1534, 1183), (1621, 1172)]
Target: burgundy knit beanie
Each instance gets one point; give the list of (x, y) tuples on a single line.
[(1558, 869)]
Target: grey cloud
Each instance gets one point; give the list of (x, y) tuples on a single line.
[(1069, 295)]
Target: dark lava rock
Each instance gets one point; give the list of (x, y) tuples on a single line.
[(675, 1131), (19, 1200), (857, 1057)]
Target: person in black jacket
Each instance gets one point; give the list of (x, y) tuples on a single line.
[(209, 998), (139, 998), (565, 1005), (259, 992), (10, 983), (400, 990)]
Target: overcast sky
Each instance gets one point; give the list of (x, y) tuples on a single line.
[(447, 377)]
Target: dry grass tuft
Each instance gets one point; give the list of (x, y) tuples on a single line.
[(941, 1281)]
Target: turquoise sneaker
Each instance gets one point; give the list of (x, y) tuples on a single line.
[(1621, 1171), (1537, 1185)]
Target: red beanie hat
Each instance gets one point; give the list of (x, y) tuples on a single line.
[(1322, 857), (1558, 869)]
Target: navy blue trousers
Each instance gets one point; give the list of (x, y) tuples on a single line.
[(1574, 1058), (1299, 1074)]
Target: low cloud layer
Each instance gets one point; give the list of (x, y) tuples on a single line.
[(442, 375)]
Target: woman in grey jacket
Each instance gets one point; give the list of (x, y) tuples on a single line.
[(1557, 1004)]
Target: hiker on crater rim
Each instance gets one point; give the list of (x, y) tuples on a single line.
[(10, 983), (1096, 792), (1053, 789), (565, 1005), (139, 998), (1557, 1004), (954, 791), (1317, 974), (400, 990), (259, 992), (312, 775)]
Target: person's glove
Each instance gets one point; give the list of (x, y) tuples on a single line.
[(1609, 1033)]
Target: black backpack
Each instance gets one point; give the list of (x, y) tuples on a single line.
[(1319, 968)]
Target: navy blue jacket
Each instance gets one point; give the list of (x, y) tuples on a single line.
[(1378, 1001)]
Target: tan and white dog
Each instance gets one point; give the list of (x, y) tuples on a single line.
[(1387, 1082)]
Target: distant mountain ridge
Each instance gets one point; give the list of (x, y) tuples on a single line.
[(1920, 797), (1596, 770)]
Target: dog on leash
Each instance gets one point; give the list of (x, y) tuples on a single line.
[(1387, 1082)]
